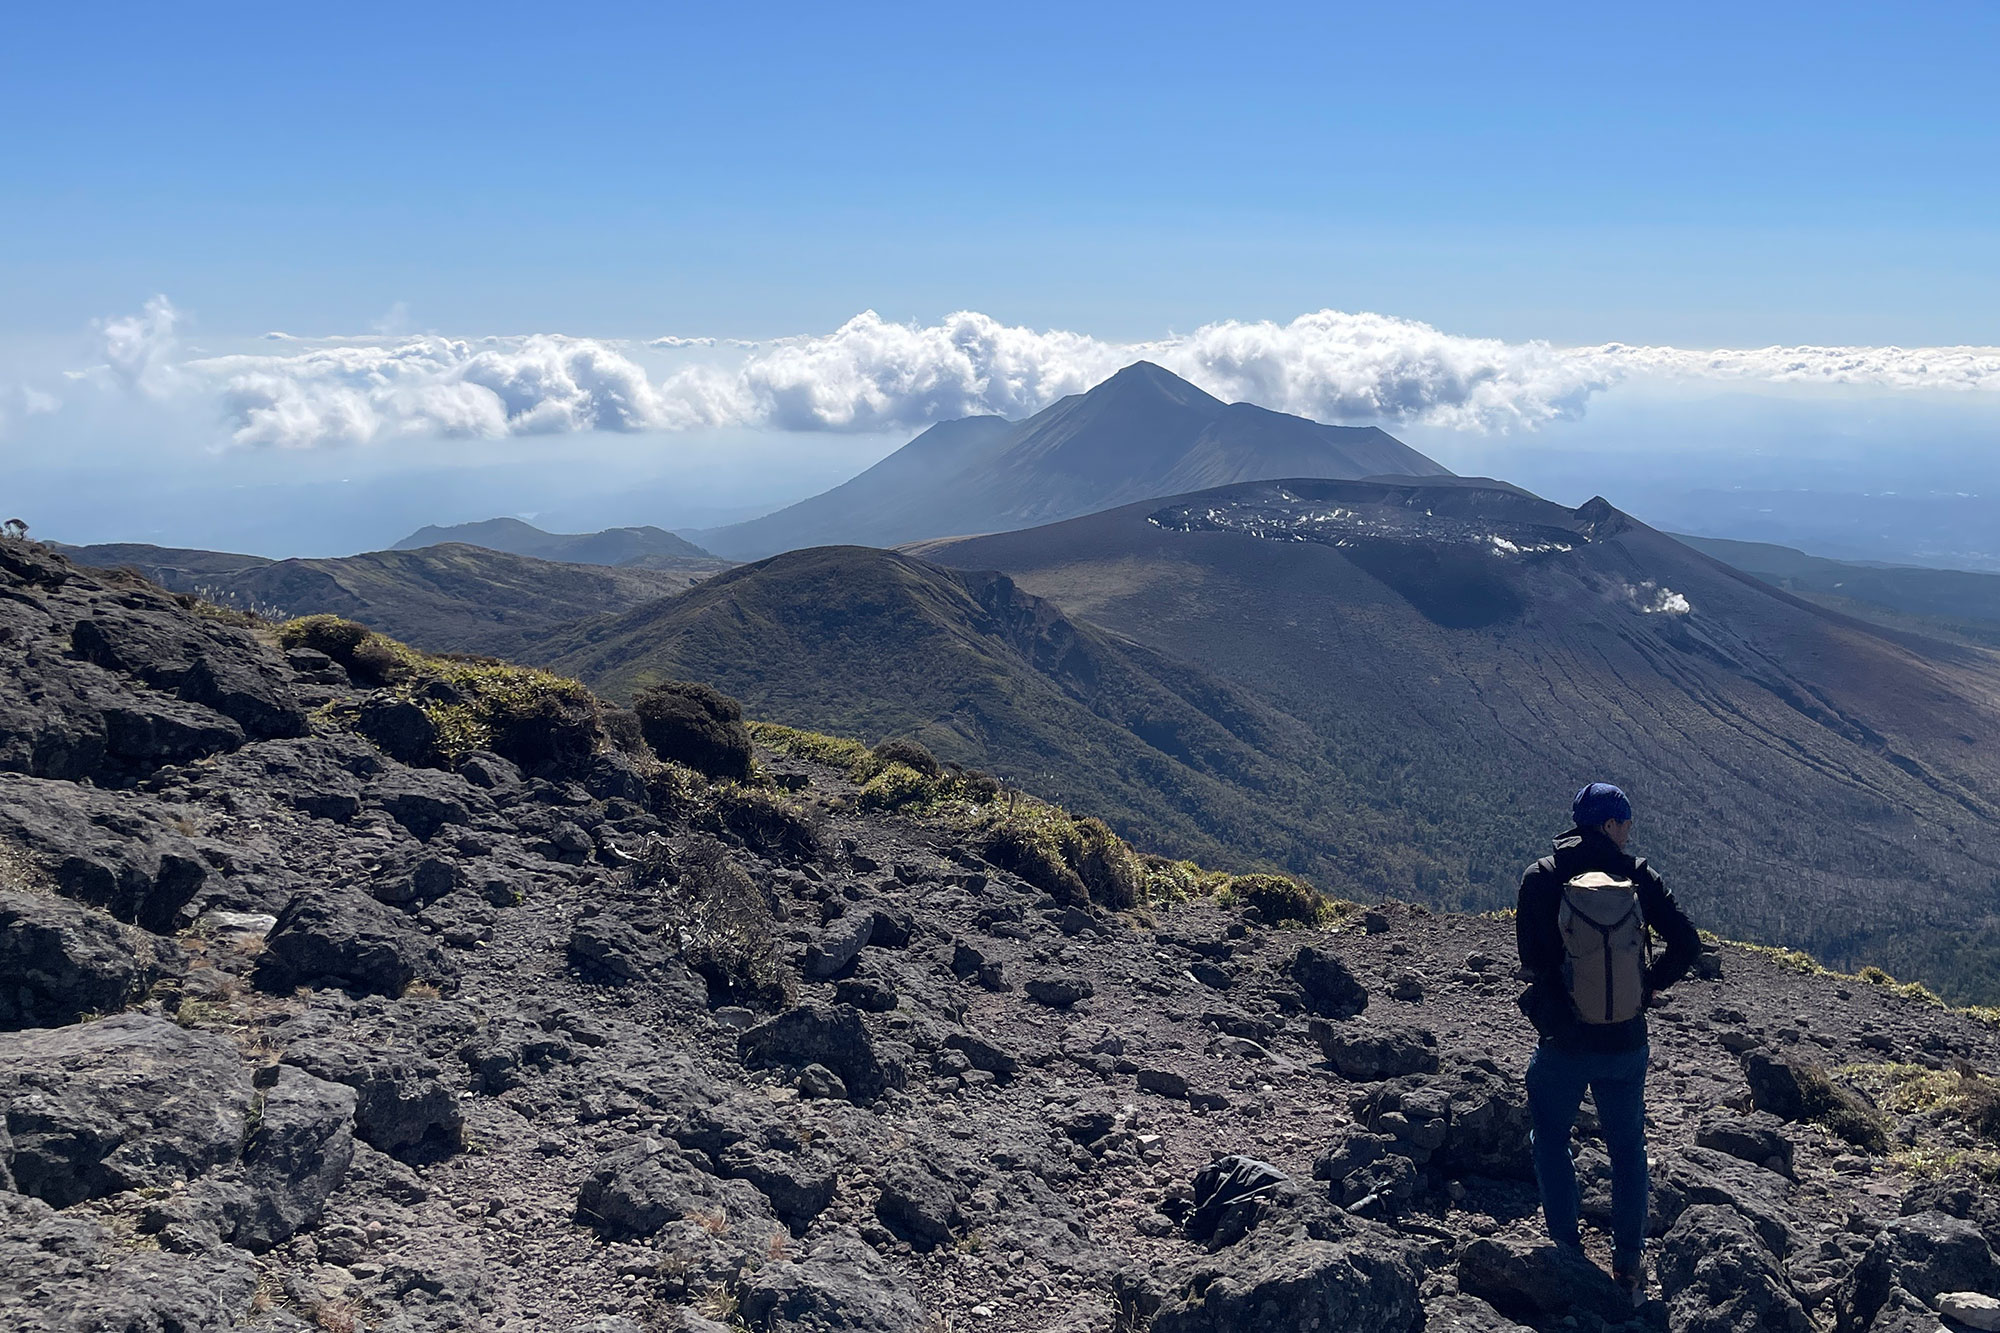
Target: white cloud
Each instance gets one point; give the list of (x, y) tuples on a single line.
[(139, 349), (874, 374)]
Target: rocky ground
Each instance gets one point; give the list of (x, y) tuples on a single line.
[(297, 1035)]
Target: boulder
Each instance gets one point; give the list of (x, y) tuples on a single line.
[(1961, 1194), (1464, 1121), (346, 939), (489, 771), (1056, 992), (1758, 1138), (108, 849), (1539, 1283), (400, 1102), (1330, 990), (298, 1154), (1364, 1055), (798, 1182), (823, 1034), (65, 1272), (1698, 1175), (1280, 1278), (837, 946), (648, 1184), (1797, 1090), (1971, 1308), (216, 666), (989, 1056), (840, 1284), (401, 729), (606, 948), (1370, 1173), (127, 1102), (1720, 1278), (1925, 1255), (917, 1204), (424, 801), (1460, 1313), (60, 961)]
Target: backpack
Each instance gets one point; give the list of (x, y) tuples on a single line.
[(1604, 934)]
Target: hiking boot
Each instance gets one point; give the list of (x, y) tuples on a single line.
[(1631, 1279)]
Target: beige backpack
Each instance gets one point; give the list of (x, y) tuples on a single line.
[(1604, 934)]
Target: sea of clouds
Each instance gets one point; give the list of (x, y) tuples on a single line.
[(873, 374)]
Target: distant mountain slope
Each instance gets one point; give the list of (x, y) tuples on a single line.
[(1959, 603), (448, 598), (1466, 655), (1144, 432), (876, 644), (613, 546)]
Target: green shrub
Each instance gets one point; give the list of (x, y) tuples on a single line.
[(544, 722), (1109, 871), (1077, 861), (835, 751), (376, 662), (907, 753), (1168, 881), (331, 635), (1841, 1110), (694, 725), (1278, 898), (769, 824), (896, 786), (1025, 850)]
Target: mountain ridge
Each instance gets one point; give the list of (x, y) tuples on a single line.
[(1142, 432), (449, 597), (611, 546)]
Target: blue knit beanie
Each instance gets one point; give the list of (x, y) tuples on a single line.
[(1598, 802)]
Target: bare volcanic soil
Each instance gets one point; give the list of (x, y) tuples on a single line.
[(299, 1036)]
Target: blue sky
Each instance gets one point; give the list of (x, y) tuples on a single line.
[(1707, 174), (1692, 177)]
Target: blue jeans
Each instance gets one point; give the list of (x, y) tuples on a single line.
[(1617, 1080)]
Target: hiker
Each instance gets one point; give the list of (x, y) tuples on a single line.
[(1583, 925)]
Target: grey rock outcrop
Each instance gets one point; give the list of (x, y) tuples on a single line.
[(127, 1102), (824, 1035), (60, 961), (346, 939)]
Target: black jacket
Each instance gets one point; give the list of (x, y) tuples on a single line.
[(1539, 939)]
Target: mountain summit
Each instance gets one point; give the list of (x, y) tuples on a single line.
[(1144, 432)]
